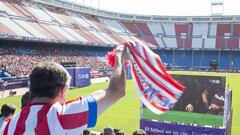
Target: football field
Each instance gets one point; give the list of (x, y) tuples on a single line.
[(186, 117), (125, 114)]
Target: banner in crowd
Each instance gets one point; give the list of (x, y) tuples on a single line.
[(161, 128), (80, 76), (13, 84), (201, 104)]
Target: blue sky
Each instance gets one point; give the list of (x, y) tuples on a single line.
[(164, 7)]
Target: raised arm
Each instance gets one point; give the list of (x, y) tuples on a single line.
[(205, 99), (117, 84)]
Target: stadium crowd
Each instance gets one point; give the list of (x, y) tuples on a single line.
[(19, 61)]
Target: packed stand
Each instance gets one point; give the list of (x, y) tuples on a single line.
[(19, 61)]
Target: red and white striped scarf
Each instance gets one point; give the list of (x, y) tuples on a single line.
[(156, 88)]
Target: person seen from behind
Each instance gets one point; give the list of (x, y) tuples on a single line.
[(50, 114), (7, 112)]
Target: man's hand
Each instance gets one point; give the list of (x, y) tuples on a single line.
[(123, 53), (214, 107), (117, 84), (205, 99), (189, 108)]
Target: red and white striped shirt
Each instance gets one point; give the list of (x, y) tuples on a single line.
[(69, 118)]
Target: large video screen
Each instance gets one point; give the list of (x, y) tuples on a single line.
[(202, 102)]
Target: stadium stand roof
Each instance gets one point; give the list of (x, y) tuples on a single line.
[(58, 21), (136, 17)]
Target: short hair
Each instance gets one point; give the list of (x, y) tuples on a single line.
[(139, 132), (86, 132), (47, 79), (26, 98), (7, 109), (108, 131)]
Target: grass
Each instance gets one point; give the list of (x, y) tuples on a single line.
[(186, 117), (125, 114)]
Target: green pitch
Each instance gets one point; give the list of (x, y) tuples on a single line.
[(186, 117), (125, 114)]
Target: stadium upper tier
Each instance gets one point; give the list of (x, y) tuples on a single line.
[(49, 20)]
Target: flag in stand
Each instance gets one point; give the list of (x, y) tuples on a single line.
[(157, 89)]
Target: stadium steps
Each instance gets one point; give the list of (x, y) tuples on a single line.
[(5, 8), (75, 38), (22, 28), (84, 36), (94, 21), (46, 31), (209, 29), (18, 30), (11, 7), (20, 7), (31, 28), (38, 12), (5, 30), (184, 42), (147, 33), (36, 23), (47, 13), (233, 42), (222, 29), (164, 43), (54, 27), (98, 33), (164, 32), (113, 25), (75, 34), (142, 35), (157, 33), (132, 28), (203, 43), (83, 29), (128, 36), (53, 31), (60, 20), (197, 42), (113, 34)]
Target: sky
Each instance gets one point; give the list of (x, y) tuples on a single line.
[(165, 7)]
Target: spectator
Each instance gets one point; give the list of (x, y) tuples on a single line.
[(19, 61), (108, 131), (26, 99), (119, 132), (49, 83), (139, 132), (217, 104), (86, 132), (7, 112), (213, 97), (190, 100)]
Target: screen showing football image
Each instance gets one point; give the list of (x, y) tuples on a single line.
[(202, 102)]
